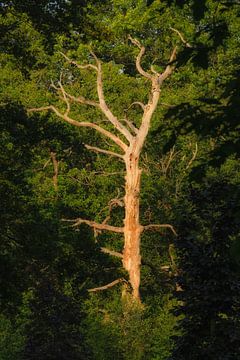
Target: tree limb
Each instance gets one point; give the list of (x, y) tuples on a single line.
[(78, 99), (130, 125), (136, 103), (79, 66), (139, 58), (105, 287), (96, 149), (111, 252), (170, 67), (102, 103), (71, 121), (95, 225), (104, 107), (158, 227)]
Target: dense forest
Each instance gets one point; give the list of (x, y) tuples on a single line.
[(102, 256)]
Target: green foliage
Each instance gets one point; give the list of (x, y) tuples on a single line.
[(11, 340), (126, 330)]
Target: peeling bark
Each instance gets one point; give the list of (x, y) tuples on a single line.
[(132, 227)]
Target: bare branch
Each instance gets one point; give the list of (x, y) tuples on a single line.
[(158, 227), (71, 121), (78, 99), (104, 107), (46, 163), (181, 37), (102, 104), (105, 287), (136, 103), (130, 125), (98, 150), (79, 66), (165, 164), (82, 100), (139, 58), (93, 224), (165, 268), (111, 252), (193, 157), (103, 173), (116, 202), (170, 67)]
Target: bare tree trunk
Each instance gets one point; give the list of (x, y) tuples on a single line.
[(130, 141), (132, 227)]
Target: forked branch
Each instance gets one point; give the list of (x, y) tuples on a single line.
[(102, 103)]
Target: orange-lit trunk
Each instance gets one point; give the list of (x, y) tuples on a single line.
[(132, 227)]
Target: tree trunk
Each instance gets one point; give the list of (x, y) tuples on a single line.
[(130, 141), (132, 227)]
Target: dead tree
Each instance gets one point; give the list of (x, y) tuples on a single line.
[(130, 150)]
